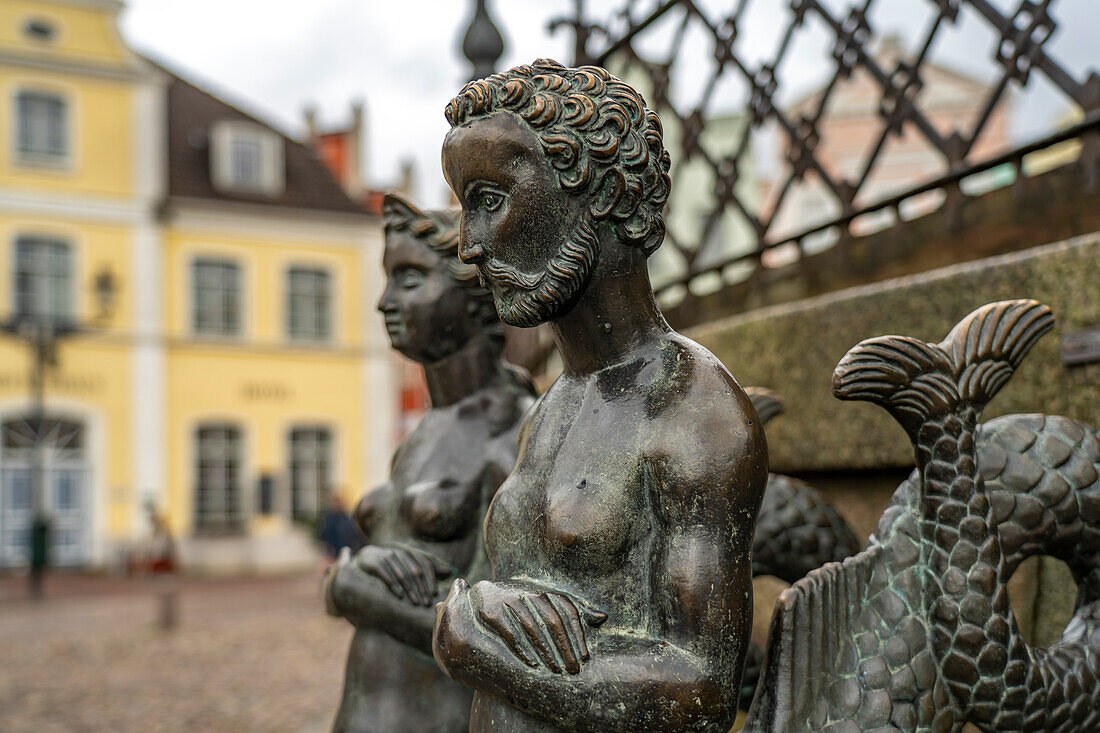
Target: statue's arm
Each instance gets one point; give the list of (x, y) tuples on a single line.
[(685, 676), (368, 601)]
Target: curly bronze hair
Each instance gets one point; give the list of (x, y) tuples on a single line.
[(439, 231), (598, 134)]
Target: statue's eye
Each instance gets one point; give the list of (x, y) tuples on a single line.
[(489, 200), (409, 278)]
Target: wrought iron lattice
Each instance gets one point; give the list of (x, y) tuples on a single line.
[(728, 223)]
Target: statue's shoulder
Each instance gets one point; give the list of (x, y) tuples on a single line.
[(698, 404), (704, 434), (505, 408), (691, 373)]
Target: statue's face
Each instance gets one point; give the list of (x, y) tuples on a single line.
[(516, 218), (427, 314)]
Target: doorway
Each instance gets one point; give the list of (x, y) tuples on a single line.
[(65, 499)]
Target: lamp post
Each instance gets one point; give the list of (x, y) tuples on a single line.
[(42, 332)]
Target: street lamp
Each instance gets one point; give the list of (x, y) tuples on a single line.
[(42, 332), (104, 293)]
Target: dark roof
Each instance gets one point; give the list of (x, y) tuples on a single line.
[(192, 112)]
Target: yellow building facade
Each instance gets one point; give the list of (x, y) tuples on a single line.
[(218, 358)]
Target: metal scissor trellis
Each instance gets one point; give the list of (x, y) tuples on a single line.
[(700, 66)]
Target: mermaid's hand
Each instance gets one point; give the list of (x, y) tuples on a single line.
[(408, 573)]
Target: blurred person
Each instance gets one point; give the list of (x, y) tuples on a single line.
[(424, 525), (40, 553), (338, 530), (162, 547)]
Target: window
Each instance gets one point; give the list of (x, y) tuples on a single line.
[(310, 453), (18, 481), (217, 478), (39, 29), (42, 136), (246, 163), (67, 489), (309, 304), (43, 279), (246, 158), (215, 297)]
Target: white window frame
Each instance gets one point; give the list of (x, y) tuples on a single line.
[(223, 329), (325, 310), (68, 313), (228, 523), (317, 494), (228, 134), (61, 159)]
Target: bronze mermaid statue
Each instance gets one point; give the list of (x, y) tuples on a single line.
[(424, 525), (915, 633)]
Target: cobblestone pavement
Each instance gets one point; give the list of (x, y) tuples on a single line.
[(247, 655)]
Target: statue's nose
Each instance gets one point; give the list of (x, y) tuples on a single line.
[(386, 302), (469, 250)]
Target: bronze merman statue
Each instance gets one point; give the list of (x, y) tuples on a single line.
[(621, 595), (424, 524), (915, 633)]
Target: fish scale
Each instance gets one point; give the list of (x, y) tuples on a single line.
[(982, 499)]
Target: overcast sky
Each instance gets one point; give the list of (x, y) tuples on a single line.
[(403, 60)]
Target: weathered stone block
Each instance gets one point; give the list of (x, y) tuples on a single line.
[(792, 348)]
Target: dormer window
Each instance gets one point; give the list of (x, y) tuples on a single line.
[(246, 162), (246, 158)]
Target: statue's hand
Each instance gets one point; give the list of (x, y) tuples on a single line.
[(408, 573), (536, 625)]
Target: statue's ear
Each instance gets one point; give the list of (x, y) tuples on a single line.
[(609, 193), (398, 211)]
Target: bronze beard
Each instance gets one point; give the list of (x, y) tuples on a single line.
[(526, 300)]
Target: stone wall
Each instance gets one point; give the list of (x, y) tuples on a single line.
[(792, 349)]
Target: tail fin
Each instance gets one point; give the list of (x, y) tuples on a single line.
[(811, 645), (765, 402), (910, 379), (988, 345), (915, 381)]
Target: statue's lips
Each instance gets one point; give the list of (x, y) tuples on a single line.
[(395, 325), (492, 284)]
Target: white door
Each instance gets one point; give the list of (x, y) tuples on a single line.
[(66, 500)]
